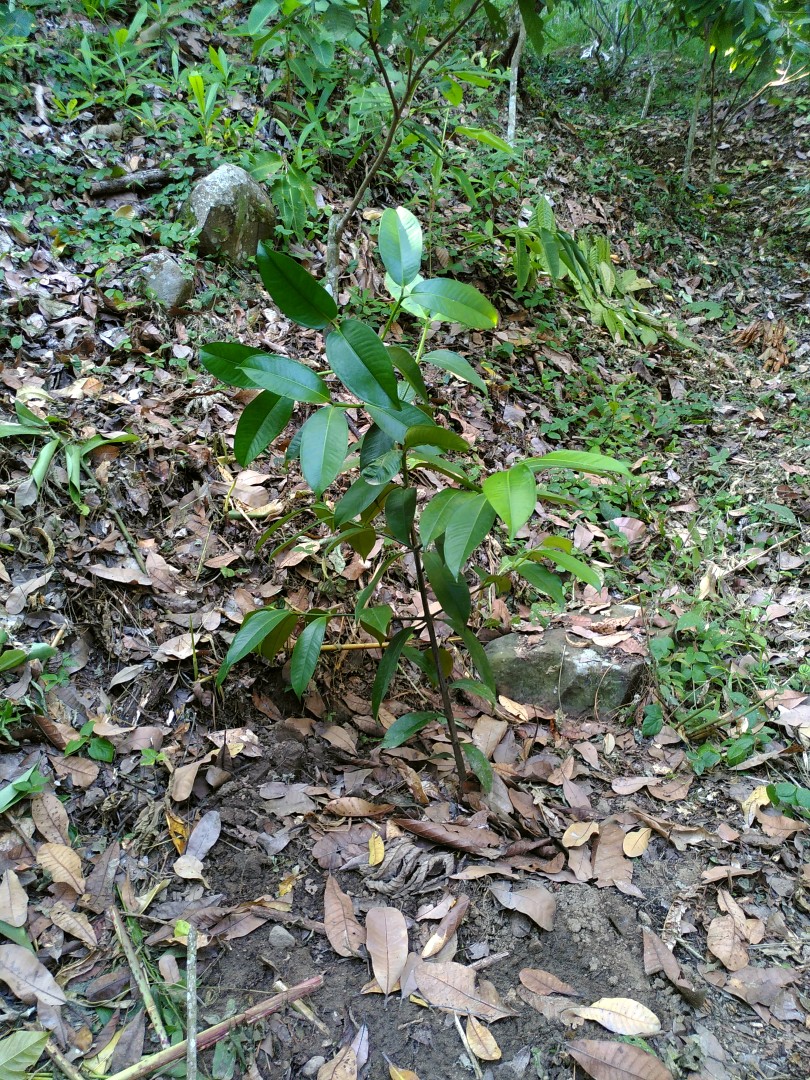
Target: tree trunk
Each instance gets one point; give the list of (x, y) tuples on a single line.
[(514, 71), (650, 88)]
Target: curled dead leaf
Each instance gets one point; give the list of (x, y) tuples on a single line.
[(624, 1016), (604, 1060)]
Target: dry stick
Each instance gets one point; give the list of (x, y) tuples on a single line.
[(302, 1009), (191, 1004), (61, 1062), (140, 181), (140, 978), (211, 1036), (468, 1048)]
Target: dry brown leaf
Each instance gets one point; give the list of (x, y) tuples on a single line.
[(395, 1073), (605, 1060), (725, 939), (121, 575), (483, 842), (609, 864), (481, 1041), (27, 978), (189, 868), (63, 864), (387, 944), (537, 902), (551, 1006), (446, 928), (349, 806), (636, 842), (343, 1066), (13, 900), (657, 957), (74, 923), (204, 835), (345, 934), (579, 833), (544, 983), (452, 986), (624, 1016), (760, 986), (50, 817)]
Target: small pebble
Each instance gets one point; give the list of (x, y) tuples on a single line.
[(313, 1066), (280, 938)]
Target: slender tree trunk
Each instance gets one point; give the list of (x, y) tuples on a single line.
[(714, 127), (693, 122), (514, 71), (645, 109)]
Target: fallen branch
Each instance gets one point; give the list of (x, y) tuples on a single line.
[(142, 180), (211, 1036), (141, 978)]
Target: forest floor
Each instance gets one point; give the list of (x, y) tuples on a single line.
[(606, 863)]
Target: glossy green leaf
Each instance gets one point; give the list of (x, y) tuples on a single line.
[(358, 498), (478, 656), (488, 138), (551, 253), (324, 442), (479, 765), (224, 360), (409, 370), (473, 686), (543, 580), (287, 378), (453, 593), (376, 442), (573, 565), (18, 431), (11, 659), (534, 23), (255, 628), (377, 619), (396, 422), (361, 362), (456, 365), (598, 464), (467, 528), (295, 292), (406, 726), (306, 653), (455, 301), (387, 667), (383, 468), (400, 244), (278, 637), (439, 511), (512, 494), (261, 422), (433, 435), (400, 508)]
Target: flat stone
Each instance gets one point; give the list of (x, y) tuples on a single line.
[(231, 212), (161, 278), (280, 938), (552, 674)]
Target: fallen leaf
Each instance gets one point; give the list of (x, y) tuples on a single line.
[(387, 944), (609, 864), (189, 868), (121, 575), (395, 1073), (354, 807), (74, 923), (725, 939), (657, 957), (27, 978), (376, 850), (605, 1060), (343, 1066), (635, 843), (344, 932), (579, 833), (453, 986), (446, 928), (624, 1016), (204, 835), (481, 1041), (462, 837), (544, 983), (50, 817), (537, 902), (63, 864), (13, 900)]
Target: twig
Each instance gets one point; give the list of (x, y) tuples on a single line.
[(148, 1065), (303, 1009), (466, 1044), (141, 180), (61, 1062), (140, 978), (191, 1004), (127, 535)]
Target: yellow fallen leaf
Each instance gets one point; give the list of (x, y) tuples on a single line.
[(579, 832), (624, 1016), (376, 849), (481, 1041), (395, 1073), (758, 797), (635, 843)]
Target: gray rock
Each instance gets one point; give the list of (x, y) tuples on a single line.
[(231, 212), (280, 938), (162, 278), (553, 674)]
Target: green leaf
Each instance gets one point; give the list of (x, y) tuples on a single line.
[(452, 592), (30, 782), (256, 627), (296, 293), (261, 422), (479, 765), (396, 422), (573, 565), (19, 1052), (438, 513), (357, 499), (17, 431), (383, 468), (598, 464), (387, 667), (224, 360), (400, 243), (324, 442), (409, 370), (551, 252), (542, 580), (12, 658), (535, 29), (361, 362), (406, 726), (512, 494), (478, 656), (456, 365), (481, 135), (375, 443), (400, 508), (473, 686), (454, 301), (287, 378), (305, 655), (432, 435), (377, 619), (466, 530)]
